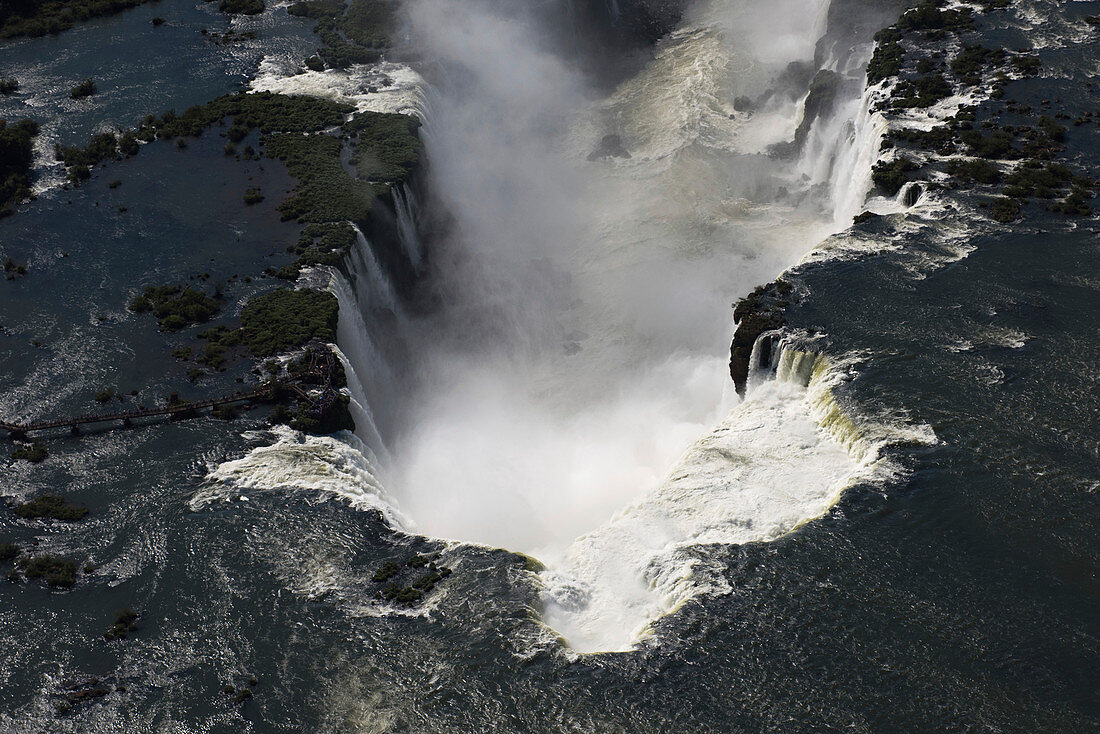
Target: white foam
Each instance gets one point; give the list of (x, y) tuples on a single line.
[(297, 462), (381, 87), (582, 347), (779, 459)]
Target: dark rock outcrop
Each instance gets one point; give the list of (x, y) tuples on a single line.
[(611, 146), (757, 313)]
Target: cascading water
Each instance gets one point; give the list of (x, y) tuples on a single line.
[(580, 346), (407, 208)]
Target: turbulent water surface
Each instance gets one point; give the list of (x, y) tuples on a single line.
[(892, 530)]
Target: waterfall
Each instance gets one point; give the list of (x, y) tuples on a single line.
[(570, 397), (407, 210), (373, 288)]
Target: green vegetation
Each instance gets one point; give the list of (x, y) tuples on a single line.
[(1027, 65), (286, 319), (408, 594), (244, 7), (940, 138), (385, 572), (319, 244), (102, 147), (224, 412), (928, 17), (968, 64), (86, 88), (175, 306), (12, 269), (1075, 204), (352, 35), (891, 176), (367, 22), (387, 147), (922, 92), (16, 160), (1005, 210), (1033, 179), (997, 145), (253, 196), (325, 191), (9, 552), (265, 111), (335, 416), (888, 58), (413, 593), (125, 623), (1052, 129), (8, 86), (42, 17), (54, 570), (978, 171), (50, 507), (34, 453)]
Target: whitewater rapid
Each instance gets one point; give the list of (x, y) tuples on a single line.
[(571, 398)]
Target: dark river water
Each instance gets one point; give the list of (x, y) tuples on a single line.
[(960, 596)]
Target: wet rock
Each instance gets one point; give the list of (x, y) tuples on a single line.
[(744, 104), (759, 312), (611, 146)]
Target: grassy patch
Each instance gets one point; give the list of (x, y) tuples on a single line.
[(263, 110), (1076, 204), (997, 145), (1033, 179)]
